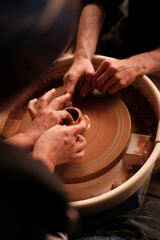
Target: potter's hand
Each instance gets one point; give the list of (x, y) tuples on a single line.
[(46, 115), (81, 70), (113, 75), (60, 144)]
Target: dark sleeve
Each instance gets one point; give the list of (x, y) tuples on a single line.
[(32, 200)]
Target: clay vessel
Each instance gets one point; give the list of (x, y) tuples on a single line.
[(75, 113)]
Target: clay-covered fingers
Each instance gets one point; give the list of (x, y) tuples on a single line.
[(115, 88), (80, 145), (105, 80), (86, 86), (31, 108), (81, 142), (109, 84), (78, 128), (101, 69), (119, 84), (43, 101), (103, 76), (70, 82), (64, 115), (36, 105), (83, 124), (58, 103)]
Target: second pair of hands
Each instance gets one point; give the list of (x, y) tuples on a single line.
[(49, 141), (111, 75)]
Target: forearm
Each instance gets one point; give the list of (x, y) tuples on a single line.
[(44, 158), (147, 62), (21, 140), (91, 22)]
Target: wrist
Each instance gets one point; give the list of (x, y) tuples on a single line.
[(140, 65), (81, 56), (44, 157), (21, 140), (29, 141), (147, 62), (31, 137)]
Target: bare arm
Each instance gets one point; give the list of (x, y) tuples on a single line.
[(114, 74), (91, 22), (150, 61), (90, 25)]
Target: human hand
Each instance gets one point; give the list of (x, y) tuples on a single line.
[(113, 75), (60, 144), (81, 70), (46, 114)]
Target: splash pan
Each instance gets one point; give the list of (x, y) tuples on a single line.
[(108, 180)]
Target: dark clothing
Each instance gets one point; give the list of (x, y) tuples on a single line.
[(126, 36), (32, 200), (139, 224)]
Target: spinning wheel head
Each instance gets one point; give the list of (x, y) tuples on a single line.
[(107, 136)]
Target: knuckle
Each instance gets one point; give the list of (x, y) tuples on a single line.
[(57, 100), (68, 76), (41, 100), (29, 107), (122, 84), (113, 68), (31, 102), (84, 143), (118, 78), (89, 73), (105, 63), (66, 134), (81, 155), (53, 116)]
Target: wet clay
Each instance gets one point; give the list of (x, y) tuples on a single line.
[(143, 118), (76, 115), (107, 135)]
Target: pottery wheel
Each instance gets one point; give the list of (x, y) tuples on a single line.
[(107, 135)]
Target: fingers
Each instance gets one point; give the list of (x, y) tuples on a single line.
[(79, 148), (57, 103), (79, 155), (81, 141), (117, 86), (62, 114), (78, 128), (102, 67), (69, 83), (31, 108), (104, 78), (69, 88), (93, 85), (87, 84), (43, 101), (111, 82), (83, 123), (80, 138)]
